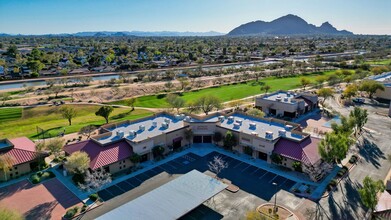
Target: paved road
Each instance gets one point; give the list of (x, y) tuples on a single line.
[(374, 147)]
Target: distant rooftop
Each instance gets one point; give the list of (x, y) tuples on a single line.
[(144, 129), (5, 144), (256, 126), (282, 96), (384, 77)]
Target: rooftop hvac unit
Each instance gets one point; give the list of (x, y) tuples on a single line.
[(236, 125), (187, 119), (154, 124), (253, 125), (288, 127), (221, 118), (231, 118), (288, 94), (239, 121), (278, 98), (167, 120), (254, 133), (142, 128), (282, 132), (120, 133), (132, 133), (286, 99), (269, 134), (177, 117), (165, 125), (183, 116)]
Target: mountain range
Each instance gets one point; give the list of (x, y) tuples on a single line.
[(286, 25), (132, 33)]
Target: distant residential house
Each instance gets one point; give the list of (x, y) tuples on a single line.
[(24, 157), (79, 71), (63, 62)]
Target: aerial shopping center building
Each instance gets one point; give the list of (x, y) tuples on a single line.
[(261, 138)]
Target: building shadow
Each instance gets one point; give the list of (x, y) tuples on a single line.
[(14, 188)]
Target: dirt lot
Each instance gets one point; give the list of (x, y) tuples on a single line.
[(48, 200)]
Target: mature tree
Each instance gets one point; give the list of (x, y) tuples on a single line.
[(35, 65), (368, 193), (256, 112), (325, 93), (6, 163), (189, 135), (130, 102), (371, 86), (78, 162), (334, 147), (229, 140), (87, 130), (56, 90), (350, 91), (95, 180), (345, 127), (68, 113), (217, 165), (105, 112), (169, 85), (54, 145), (175, 101), (265, 88), (183, 82), (8, 214), (359, 117), (135, 158), (207, 103), (305, 82), (320, 80), (5, 96), (12, 51), (192, 107)]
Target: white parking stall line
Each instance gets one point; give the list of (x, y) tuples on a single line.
[(263, 175), (254, 171), (246, 167), (238, 164), (273, 178)]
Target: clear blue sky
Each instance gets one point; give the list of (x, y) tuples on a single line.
[(70, 16)]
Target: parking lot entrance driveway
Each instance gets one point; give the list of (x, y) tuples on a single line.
[(48, 200)]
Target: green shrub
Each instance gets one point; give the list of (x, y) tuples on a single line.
[(71, 212), (83, 209), (333, 182), (35, 179), (51, 174), (353, 159), (297, 166), (39, 173), (94, 197)]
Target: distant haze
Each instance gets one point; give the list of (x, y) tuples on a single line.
[(72, 16)]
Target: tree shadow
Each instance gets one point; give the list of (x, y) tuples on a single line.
[(371, 152), (41, 211)]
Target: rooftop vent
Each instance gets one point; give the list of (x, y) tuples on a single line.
[(165, 125), (167, 120), (236, 125), (239, 121), (278, 98), (182, 116), (286, 99), (221, 118), (282, 132), (231, 118), (178, 117), (254, 133), (120, 133), (269, 134), (132, 133), (288, 94), (288, 127), (187, 119), (154, 124), (141, 128), (253, 125)]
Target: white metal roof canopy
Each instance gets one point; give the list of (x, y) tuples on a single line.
[(171, 200)]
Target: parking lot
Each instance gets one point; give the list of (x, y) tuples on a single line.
[(249, 178)]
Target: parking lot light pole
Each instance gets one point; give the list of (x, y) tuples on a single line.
[(275, 198)]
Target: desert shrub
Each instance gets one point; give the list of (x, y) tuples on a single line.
[(94, 197), (35, 179), (71, 212)]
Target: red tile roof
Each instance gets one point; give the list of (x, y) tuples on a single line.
[(305, 151), (102, 155), (22, 152)]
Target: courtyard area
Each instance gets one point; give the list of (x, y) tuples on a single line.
[(48, 200)]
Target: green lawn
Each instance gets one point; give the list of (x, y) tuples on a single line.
[(228, 92), (7, 114), (379, 62), (49, 118)]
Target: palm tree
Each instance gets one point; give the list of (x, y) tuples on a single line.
[(6, 162)]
